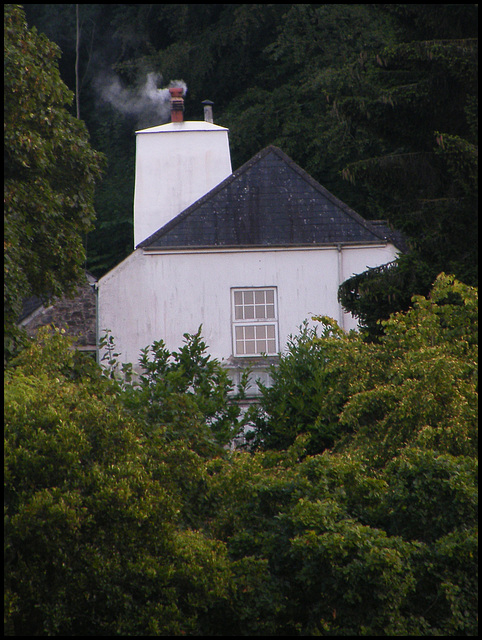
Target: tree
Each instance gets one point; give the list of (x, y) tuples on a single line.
[(266, 67), (377, 90), (416, 385), (50, 173), (420, 97), (419, 386), (328, 545), (377, 536), (301, 397), (311, 54)]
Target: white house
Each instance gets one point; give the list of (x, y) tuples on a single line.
[(248, 255)]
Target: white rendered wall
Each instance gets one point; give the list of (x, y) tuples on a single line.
[(150, 297), (176, 164)]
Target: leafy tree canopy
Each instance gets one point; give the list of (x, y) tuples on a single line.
[(420, 97), (94, 512), (50, 172), (185, 393), (418, 384)]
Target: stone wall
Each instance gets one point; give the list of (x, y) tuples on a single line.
[(77, 316)]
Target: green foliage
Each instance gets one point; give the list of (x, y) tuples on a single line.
[(376, 102), (377, 293), (379, 536), (308, 59), (186, 393), (418, 384), (303, 395), (267, 67), (429, 495), (93, 542), (419, 97), (113, 235), (339, 562), (50, 173), (119, 520)]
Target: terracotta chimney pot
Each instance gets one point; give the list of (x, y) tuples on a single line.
[(177, 104)]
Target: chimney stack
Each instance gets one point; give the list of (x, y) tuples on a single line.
[(192, 157), (177, 104), (208, 111)]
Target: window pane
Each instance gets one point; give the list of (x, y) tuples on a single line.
[(259, 297), (249, 313), (249, 346), (270, 331), (261, 332), (260, 312), (238, 297), (240, 348), (238, 313), (270, 296), (271, 346), (249, 333), (260, 346), (270, 311), (248, 297)]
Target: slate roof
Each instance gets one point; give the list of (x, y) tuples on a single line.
[(268, 202), (34, 303)]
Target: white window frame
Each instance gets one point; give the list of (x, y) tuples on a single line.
[(251, 333)]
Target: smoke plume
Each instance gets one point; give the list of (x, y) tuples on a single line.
[(149, 104)]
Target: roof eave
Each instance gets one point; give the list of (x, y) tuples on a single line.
[(266, 247)]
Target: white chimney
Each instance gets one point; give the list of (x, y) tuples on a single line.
[(176, 164)]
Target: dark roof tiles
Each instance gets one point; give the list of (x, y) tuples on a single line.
[(269, 201)]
